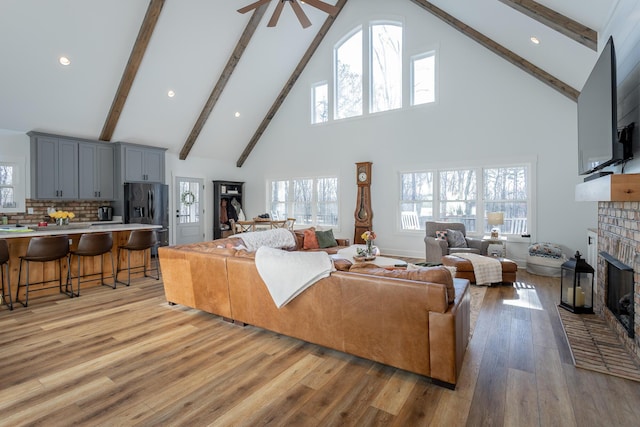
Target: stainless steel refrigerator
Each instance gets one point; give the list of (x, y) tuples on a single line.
[(148, 204)]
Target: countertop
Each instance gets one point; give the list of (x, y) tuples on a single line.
[(77, 228)]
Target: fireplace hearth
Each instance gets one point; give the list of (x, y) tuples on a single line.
[(619, 292)]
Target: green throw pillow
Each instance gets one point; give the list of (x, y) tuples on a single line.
[(326, 239)]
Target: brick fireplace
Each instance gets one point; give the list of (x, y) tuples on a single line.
[(619, 236)]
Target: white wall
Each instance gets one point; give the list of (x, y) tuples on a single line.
[(488, 111)]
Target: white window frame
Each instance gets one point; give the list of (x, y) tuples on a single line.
[(370, 82), (480, 215), (314, 202), (363, 83), (19, 184), (412, 77), (314, 102)]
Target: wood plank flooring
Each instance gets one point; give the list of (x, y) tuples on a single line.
[(125, 357)]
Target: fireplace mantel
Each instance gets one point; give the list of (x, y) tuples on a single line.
[(610, 188)]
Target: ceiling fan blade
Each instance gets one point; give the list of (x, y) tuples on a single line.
[(276, 14), (252, 6), (325, 7), (302, 17)]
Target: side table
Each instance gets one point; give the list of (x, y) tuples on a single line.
[(497, 246)]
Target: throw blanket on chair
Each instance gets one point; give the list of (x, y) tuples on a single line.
[(487, 270), (288, 274), (277, 238)]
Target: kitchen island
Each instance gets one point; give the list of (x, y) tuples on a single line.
[(18, 239)]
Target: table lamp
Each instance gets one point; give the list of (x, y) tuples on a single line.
[(495, 219)]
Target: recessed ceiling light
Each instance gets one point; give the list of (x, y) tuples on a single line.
[(237, 114), (534, 40), (171, 94), (64, 60)]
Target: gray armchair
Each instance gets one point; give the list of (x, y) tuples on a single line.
[(436, 249)]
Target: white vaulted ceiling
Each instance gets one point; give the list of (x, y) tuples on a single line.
[(188, 50)]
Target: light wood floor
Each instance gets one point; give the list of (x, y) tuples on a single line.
[(124, 357)]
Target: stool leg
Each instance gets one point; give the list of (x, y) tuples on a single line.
[(26, 287), (19, 277), (128, 267), (144, 261), (66, 291), (78, 288), (6, 295), (113, 270), (101, 269)]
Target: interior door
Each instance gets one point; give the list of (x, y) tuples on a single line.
[(189, 212)]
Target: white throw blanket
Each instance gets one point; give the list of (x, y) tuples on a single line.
[(288, 274), (487, 270), (278, 238)]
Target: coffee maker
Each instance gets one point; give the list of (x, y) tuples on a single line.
[(105, 213)]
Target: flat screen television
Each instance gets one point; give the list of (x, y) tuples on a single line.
[(599, 145)]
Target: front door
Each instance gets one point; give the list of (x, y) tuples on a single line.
[(189, 212)]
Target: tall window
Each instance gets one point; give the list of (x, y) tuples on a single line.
[(320, 102), (386, 67), (423, 78), (7, 182), (506, 191), (348, 77), (311, 201), (458, 197), (368, 70), (466, 196), (279, 199), (416, 201), (12, 184)]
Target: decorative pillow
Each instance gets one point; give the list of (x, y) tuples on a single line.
[(456, 239), (326, 239), (310, 239), (423, 274), (548, 250), (441, 235)]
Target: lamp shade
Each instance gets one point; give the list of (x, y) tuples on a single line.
[(495, 218)]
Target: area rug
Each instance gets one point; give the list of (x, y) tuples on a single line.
[(595, 346), (477, 297)]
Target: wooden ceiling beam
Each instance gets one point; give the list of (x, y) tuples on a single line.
[(130, 71), (501, 51), (289, 84), (556, 21), (228, 70)]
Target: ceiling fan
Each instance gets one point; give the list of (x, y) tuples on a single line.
[(302, 17)]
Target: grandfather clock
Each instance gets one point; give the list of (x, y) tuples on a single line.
[(363, 213)]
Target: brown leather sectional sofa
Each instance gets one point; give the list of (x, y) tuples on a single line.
[(408, 324)]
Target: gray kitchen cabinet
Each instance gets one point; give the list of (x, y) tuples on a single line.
[(96, 171), (142, 163), (54, 167)]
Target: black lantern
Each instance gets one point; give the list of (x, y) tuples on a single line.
[(576, 285)]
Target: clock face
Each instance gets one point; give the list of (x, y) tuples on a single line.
[(362, 177)]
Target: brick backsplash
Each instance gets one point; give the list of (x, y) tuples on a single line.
[(619, 235), (85, 211)]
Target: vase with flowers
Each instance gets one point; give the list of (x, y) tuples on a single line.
[(62, 217), (369, 251)]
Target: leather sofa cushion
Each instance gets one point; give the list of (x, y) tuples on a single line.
[(438, 274), (342, 264)]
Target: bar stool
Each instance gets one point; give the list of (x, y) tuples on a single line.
[(92, 245), (139, 240), (4, 262), (45, 249)]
